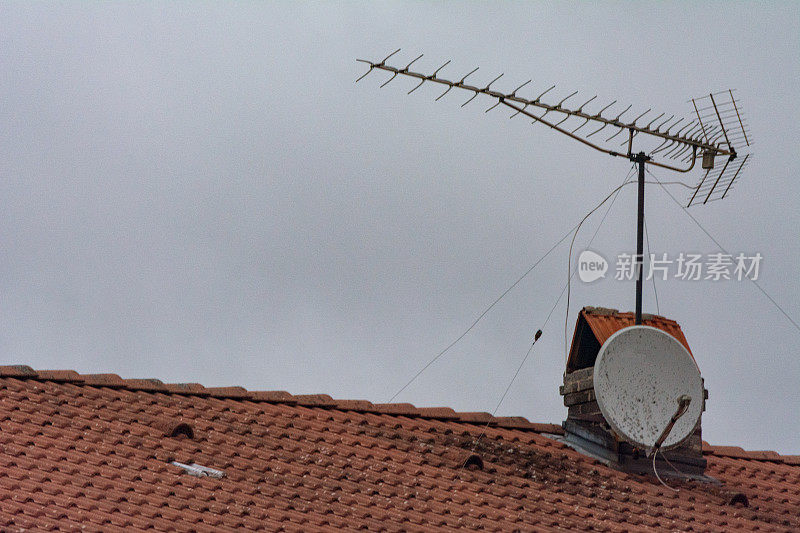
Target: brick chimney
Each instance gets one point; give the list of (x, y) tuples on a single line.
[(585, 427)]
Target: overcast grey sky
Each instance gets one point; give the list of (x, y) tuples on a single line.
[(199, 192)]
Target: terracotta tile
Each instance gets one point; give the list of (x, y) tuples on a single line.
[(17, 371), (103, 380), (92, 455)]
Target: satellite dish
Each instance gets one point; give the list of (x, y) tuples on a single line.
[(643, 378)]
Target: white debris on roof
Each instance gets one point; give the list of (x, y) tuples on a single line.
[(197, 470)]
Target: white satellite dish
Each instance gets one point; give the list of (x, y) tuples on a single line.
[(642, 378)]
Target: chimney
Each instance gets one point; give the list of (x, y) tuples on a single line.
[(585, 427)]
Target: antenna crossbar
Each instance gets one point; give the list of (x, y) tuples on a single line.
[(717, 131), (696, 142)]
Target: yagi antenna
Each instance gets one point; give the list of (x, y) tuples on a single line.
[(716, 130)]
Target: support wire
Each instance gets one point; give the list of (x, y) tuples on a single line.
[(650, 258), (758, 286), (518, 281), (483, 314), (550, 314), (485, 311), (571, 274)]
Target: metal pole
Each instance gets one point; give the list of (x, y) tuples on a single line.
[(640, 158)]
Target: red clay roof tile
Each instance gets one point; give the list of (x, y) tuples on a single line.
[(606, 322), (315, 400), (103, 380), (273, 396), (59, 375), (227, 392), (78, 451), (17, 371)]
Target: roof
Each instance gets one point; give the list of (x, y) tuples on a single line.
[(603, 323), (606, 322), (100, 452)]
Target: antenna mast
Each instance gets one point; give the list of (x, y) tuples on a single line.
[(640, 159), (718, 131)]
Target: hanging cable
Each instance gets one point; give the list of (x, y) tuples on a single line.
[(569, 257), (547, 319), (571, 274), (522, 363), (758, 286), (650, 258), (672, 466), (655, 471), (513, 285), (505, 393), (484, 312)]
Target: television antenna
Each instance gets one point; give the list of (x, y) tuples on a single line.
[(716, 131), (648, 388)]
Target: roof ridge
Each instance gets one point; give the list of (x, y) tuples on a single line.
[(326, 402), (740, 453), (615, 313), (282, 397)]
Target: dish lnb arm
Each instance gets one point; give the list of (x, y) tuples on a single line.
[(683, 406)]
